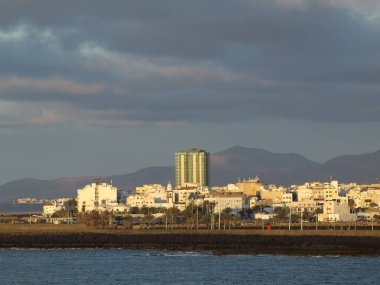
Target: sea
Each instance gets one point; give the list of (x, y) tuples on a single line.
[(17, 208), (121, 266)]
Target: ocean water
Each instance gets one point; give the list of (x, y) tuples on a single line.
[(105, 266), (7, 208)]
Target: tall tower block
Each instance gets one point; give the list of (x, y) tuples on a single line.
[(192, 166)]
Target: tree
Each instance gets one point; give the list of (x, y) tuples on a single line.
[(306, 215), (83, 218), (106, 218), (351, 204), (280, 213), (94, 219), (172, 215), (72, 206), (189, 214), (245, 213), (128, 221), (61, 214), (235, 218), (227, 217), (257, 209), (148, 219), (134, 210), (144, 210)]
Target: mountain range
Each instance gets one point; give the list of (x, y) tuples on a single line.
[(226, 167)]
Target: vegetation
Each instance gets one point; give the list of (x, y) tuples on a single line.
[(96, 219), (281, 213)]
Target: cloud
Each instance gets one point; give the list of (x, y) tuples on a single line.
[(13, 34), (169, 63), (299, 4), (15, 85)]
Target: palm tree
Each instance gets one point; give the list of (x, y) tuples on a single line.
[(351, 204), (227, 216)]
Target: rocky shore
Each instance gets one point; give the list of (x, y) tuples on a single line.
[(219, 243)]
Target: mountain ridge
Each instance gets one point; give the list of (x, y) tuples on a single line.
[(227, 166)]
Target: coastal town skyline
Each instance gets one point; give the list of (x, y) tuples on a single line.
[(315, 201), (189, 142)]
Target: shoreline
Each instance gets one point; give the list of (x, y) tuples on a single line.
[(294, 243)]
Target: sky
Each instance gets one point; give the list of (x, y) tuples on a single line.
[(96, 87)]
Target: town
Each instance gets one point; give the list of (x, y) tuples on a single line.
[(194, 203)]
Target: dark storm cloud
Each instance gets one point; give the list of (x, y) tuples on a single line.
[(133, 62)]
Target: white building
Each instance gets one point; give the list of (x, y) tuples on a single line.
[(328, 191), (50, 208), (56, 205), (152, 195), (264, 216), (365, 196), (155, 195), (305, 206), (223, 200), (96, 196), (229, 188), (338, 212)]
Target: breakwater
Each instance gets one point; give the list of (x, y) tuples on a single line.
[(219, 243)]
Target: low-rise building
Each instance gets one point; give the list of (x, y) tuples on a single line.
[(96, 196), (50, 208), (224, 200), (328, 191), (157, 196), (264, 216), (338, 212), (309, 206), (365, 196), (56, 205), (152, 195), (250, 187)]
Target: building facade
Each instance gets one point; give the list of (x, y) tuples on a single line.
[(192, 166), (96, 196), (223, 200), (336, 212), (250, 186)]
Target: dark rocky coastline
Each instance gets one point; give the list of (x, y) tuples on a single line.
[(218, 243)]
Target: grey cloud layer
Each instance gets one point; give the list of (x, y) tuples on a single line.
[(124, 63)]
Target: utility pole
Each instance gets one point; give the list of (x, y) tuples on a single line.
[(316, 223), (212, 217), (290, 217), (166, 218), (219, 220), (301, 220), (334, 223), (197, 216)]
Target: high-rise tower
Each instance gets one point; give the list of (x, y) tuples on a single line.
[(192, 166)]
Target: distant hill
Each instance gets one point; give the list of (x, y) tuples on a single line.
[(226, 167), (30, 187), (242, 162), (150, 175), (361, 168)]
